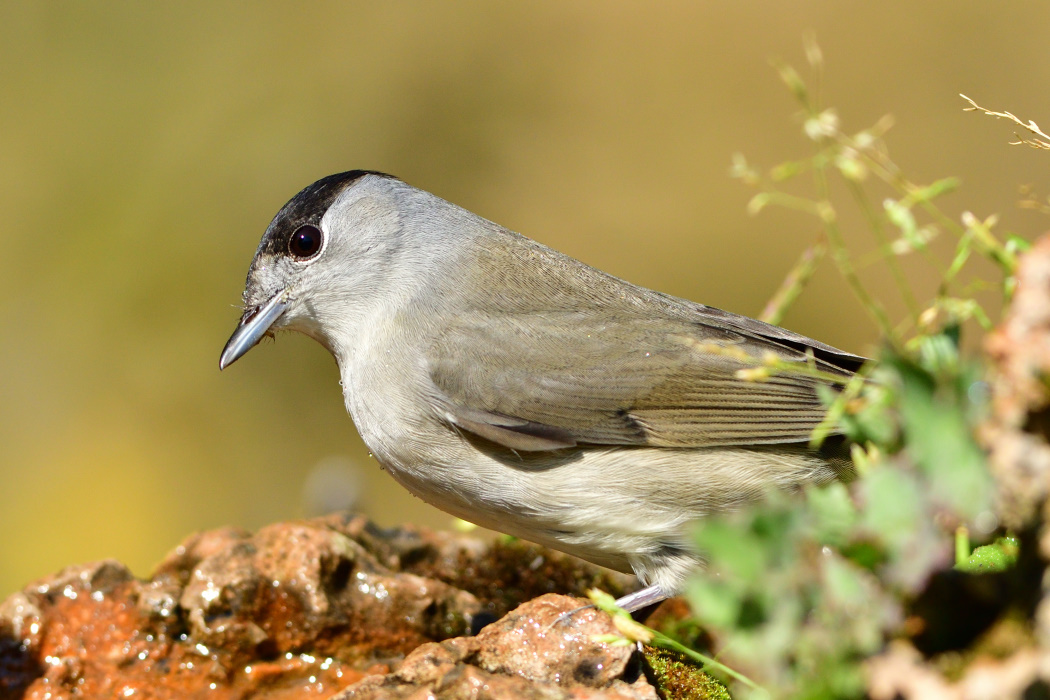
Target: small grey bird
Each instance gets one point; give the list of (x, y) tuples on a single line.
[(517, 388)]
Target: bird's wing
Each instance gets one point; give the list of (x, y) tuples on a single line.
[(550, 380)]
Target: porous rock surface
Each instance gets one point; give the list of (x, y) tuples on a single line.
[(532, 652), (331, 607)]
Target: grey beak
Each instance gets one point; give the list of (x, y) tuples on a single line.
[(252, 329)]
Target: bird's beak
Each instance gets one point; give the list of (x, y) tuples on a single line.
[(254, 325)]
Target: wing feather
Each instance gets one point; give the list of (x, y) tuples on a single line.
[(554, 379)]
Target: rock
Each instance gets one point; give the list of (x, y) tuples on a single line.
[(1017, 433), (530, 642), (312, 608), (533, 652)]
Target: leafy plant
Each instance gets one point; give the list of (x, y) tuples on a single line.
[(798, 592)]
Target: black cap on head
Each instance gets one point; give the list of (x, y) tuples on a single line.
[(307, 207)]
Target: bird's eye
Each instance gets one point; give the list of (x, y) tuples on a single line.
[(305, 242)]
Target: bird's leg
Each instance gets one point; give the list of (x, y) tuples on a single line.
[(650, 595), (634, 603)]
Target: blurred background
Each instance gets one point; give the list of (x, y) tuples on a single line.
[(146, 146)]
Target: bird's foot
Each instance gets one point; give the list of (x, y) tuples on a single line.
[(636, 602)]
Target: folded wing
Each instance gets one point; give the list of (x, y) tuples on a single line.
[(551, 380)]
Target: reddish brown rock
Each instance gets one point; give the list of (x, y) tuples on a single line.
[(310, 608), (531, 642), (533, 652)]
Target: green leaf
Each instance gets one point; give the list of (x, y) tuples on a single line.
[(834, 513), (732, 550), (894, 509), (758, 203), (715, 603), (1017, 244), (939, 436), (935, 189), (843, 583), (1001, 555)]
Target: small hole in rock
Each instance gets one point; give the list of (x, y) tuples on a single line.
[(341, 576), (480, 621), (267, 650), (634, 669)]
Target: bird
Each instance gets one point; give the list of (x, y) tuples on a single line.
[(520, 389)]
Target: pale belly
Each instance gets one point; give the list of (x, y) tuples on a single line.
[(627, 508)]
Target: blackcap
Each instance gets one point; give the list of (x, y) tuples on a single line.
[(517, 388)]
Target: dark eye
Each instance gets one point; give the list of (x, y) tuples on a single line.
[(305, 242)]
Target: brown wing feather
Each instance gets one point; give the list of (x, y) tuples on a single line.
[(555, 379)]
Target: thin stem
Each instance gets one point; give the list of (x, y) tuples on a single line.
[(840, 255), (884, 247), (794, 282), (664, 642), (837, 409)]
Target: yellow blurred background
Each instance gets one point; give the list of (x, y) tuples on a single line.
[(145, 147)]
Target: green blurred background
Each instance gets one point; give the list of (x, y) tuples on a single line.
[(145, 147)]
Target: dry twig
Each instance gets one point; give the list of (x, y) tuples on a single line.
[(1031, 126)]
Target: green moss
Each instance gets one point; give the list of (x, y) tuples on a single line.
[(678, 678)]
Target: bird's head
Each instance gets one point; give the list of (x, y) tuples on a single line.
[(324, 260)]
